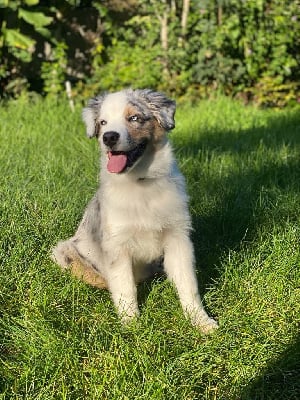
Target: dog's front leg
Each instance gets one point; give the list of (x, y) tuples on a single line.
[(179, 267), (120, 279)]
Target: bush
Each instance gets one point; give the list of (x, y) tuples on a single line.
[(249, 49), (246, 49)]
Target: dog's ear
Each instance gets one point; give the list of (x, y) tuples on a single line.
[(90, 115), (162, 107)]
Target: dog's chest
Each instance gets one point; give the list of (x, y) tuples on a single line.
[(136, 217), (139, 231), (150, 207)]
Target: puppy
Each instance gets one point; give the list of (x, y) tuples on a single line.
[(139, 215)]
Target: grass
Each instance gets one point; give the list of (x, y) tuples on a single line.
[(60, 339)]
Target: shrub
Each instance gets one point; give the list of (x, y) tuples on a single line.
[(249, 49)]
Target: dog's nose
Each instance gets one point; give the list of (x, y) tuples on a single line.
[(110, 138)]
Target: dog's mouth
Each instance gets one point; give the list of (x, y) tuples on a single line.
[(119, 161)]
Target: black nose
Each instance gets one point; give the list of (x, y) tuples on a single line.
[(110, 138)]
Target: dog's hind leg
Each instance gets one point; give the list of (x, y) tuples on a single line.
[(81, 254), (67, 256)]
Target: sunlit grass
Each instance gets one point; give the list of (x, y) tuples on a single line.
[(60, 339)]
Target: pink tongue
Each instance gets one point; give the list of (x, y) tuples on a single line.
[(116, 162)]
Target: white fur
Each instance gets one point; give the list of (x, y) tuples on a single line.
[(143, 216)]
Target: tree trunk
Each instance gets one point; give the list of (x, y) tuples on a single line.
[(164, 31), (163, 13), (184, 18), (220, 15)]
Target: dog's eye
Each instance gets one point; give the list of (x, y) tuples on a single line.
[(103, 122), (133, 118)]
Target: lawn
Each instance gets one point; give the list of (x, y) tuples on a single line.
[(60, 339)]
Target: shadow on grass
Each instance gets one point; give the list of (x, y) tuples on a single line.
[(249, 202), (280, 129), (247, 198), (280, 380)]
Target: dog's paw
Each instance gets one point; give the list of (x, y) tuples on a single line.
[(129, 320), (207, 326), (128, 313), (203, 322)]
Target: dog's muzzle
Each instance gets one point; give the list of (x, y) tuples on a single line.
[(120, 161)]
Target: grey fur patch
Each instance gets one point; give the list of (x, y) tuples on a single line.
[(161, 106)]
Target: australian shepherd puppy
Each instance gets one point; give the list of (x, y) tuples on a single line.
[(139, 215)]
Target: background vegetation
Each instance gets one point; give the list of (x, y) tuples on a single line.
[(187, 48)]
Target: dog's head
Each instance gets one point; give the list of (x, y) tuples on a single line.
[(128, 122)]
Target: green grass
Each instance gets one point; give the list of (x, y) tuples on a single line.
[(60, 339)]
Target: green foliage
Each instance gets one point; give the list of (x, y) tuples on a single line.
[(17, 44), (245, 44), (37, 19), (53, 70), (133, 68), (249, 49), (127, 62), (275, 92), (20, 44)]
